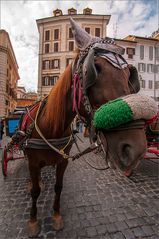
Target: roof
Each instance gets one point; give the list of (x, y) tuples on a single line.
[(133, 37)]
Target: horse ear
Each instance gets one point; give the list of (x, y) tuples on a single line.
[(82, 38), (134, 83), (89, 71)]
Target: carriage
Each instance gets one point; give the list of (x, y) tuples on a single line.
[(15, 151), (152, 135), (101, 88), (11, 125)]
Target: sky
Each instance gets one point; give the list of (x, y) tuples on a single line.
[(18, 18)]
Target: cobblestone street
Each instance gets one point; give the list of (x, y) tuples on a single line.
[(94, 203)]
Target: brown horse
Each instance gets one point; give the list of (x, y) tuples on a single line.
[(101, 81)]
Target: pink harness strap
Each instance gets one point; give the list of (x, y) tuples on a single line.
[(26, 116), (76, 83)]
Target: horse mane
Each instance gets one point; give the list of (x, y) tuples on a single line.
[(54, 114)]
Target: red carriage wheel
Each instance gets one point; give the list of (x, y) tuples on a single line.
[(4, 162), (5, 159)]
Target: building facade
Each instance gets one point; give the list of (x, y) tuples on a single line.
[(56, 43), (143, 53), (25, 98), (56, 46), (8, 75)]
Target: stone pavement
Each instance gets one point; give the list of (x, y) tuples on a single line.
[(99, 204)]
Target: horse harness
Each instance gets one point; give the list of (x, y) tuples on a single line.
[(101, 48)]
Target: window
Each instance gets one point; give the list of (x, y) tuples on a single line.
[(142, 83), (156, 68), (70, 33), (55, 79), (141, 52), (56, 34), (47, 48), (141, 67), (97, 32), (157, 53), (156, 84), (68, 61), (71, 46), (150, 53), (150, 68), (55, 63), (47, 35), (45, 80), (87, 29), (56, 47), (49, 80), (150, 84), (130, 52), (46, 65), (72, 11)]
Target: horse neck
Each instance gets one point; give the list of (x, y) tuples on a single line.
[(58, 113)]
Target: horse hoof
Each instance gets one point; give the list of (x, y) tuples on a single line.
[(33, 229), (57, 224)]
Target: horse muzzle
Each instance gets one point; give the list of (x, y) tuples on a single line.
[(125, 146)]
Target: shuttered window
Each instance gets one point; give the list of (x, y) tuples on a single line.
[(46, 65), (71, 46), (142, 67), (141, 52), (157, 53), (47, 48), (97, 32), (47, 35), (150, 68), (68, 61), (142, 83), (70, 33), (156, 68), (87, 29), (150, 53), (56, 47), (56, 34), (150, 84), (156, 84), (49, 80), (55, 63), (130, 52), (45, 80)]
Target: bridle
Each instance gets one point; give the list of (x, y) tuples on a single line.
[(80, 96)]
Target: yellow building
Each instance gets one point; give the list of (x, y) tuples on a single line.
[(8, 75), (56, 42)]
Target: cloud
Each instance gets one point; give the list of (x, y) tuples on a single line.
[(18, 18)]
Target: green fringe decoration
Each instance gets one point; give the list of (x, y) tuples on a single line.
[(112, 114)]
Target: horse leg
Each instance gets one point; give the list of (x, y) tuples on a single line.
[(57, 219), (33, 224)]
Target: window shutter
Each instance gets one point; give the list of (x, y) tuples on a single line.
[(141, 52), (97, 32), (56, 34), (151, 53), (47, 35)]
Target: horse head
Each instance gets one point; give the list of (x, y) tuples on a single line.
[(105, 76)]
